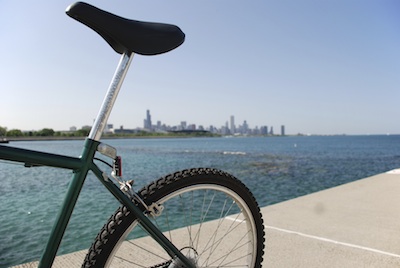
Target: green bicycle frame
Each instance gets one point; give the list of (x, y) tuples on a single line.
[(80, 167)]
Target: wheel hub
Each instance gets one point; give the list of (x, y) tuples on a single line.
[(190, 253)]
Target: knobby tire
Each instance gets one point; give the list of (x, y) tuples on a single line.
[(208, 214)]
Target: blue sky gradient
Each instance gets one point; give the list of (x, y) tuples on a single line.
[(315, 66)]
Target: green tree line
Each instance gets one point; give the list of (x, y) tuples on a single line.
[(45, 132), (48, 132)]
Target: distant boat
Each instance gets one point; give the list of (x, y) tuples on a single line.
[(3, 140)]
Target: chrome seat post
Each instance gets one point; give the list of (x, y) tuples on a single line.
[(111, 96)]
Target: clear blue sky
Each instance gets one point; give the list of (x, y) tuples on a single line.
[(315, 66)]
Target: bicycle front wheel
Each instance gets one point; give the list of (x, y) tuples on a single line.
[(206, 213)]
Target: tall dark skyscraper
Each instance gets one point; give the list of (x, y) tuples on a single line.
[(147, 121)]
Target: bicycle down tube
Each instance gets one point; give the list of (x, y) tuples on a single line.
[(87, 163)]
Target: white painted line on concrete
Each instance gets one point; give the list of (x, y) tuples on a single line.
[(234, 219), (334, 241)]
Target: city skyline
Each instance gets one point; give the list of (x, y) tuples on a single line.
[(231, 129)]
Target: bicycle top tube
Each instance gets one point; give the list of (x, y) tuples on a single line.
[(126, 36)]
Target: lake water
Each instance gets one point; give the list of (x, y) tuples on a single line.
[(274, 168)]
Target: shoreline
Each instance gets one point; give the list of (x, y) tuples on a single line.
[(16, 139), (61, 138)]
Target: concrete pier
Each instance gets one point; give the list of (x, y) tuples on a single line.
[(352, 225)]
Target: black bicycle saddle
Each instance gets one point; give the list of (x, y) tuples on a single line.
[(124, 35)]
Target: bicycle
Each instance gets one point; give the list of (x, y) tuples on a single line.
[(199, 217)]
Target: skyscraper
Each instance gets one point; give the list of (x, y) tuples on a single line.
[(147, 121), (245, 127), (264, 130), (183, 125), (232, 129)]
